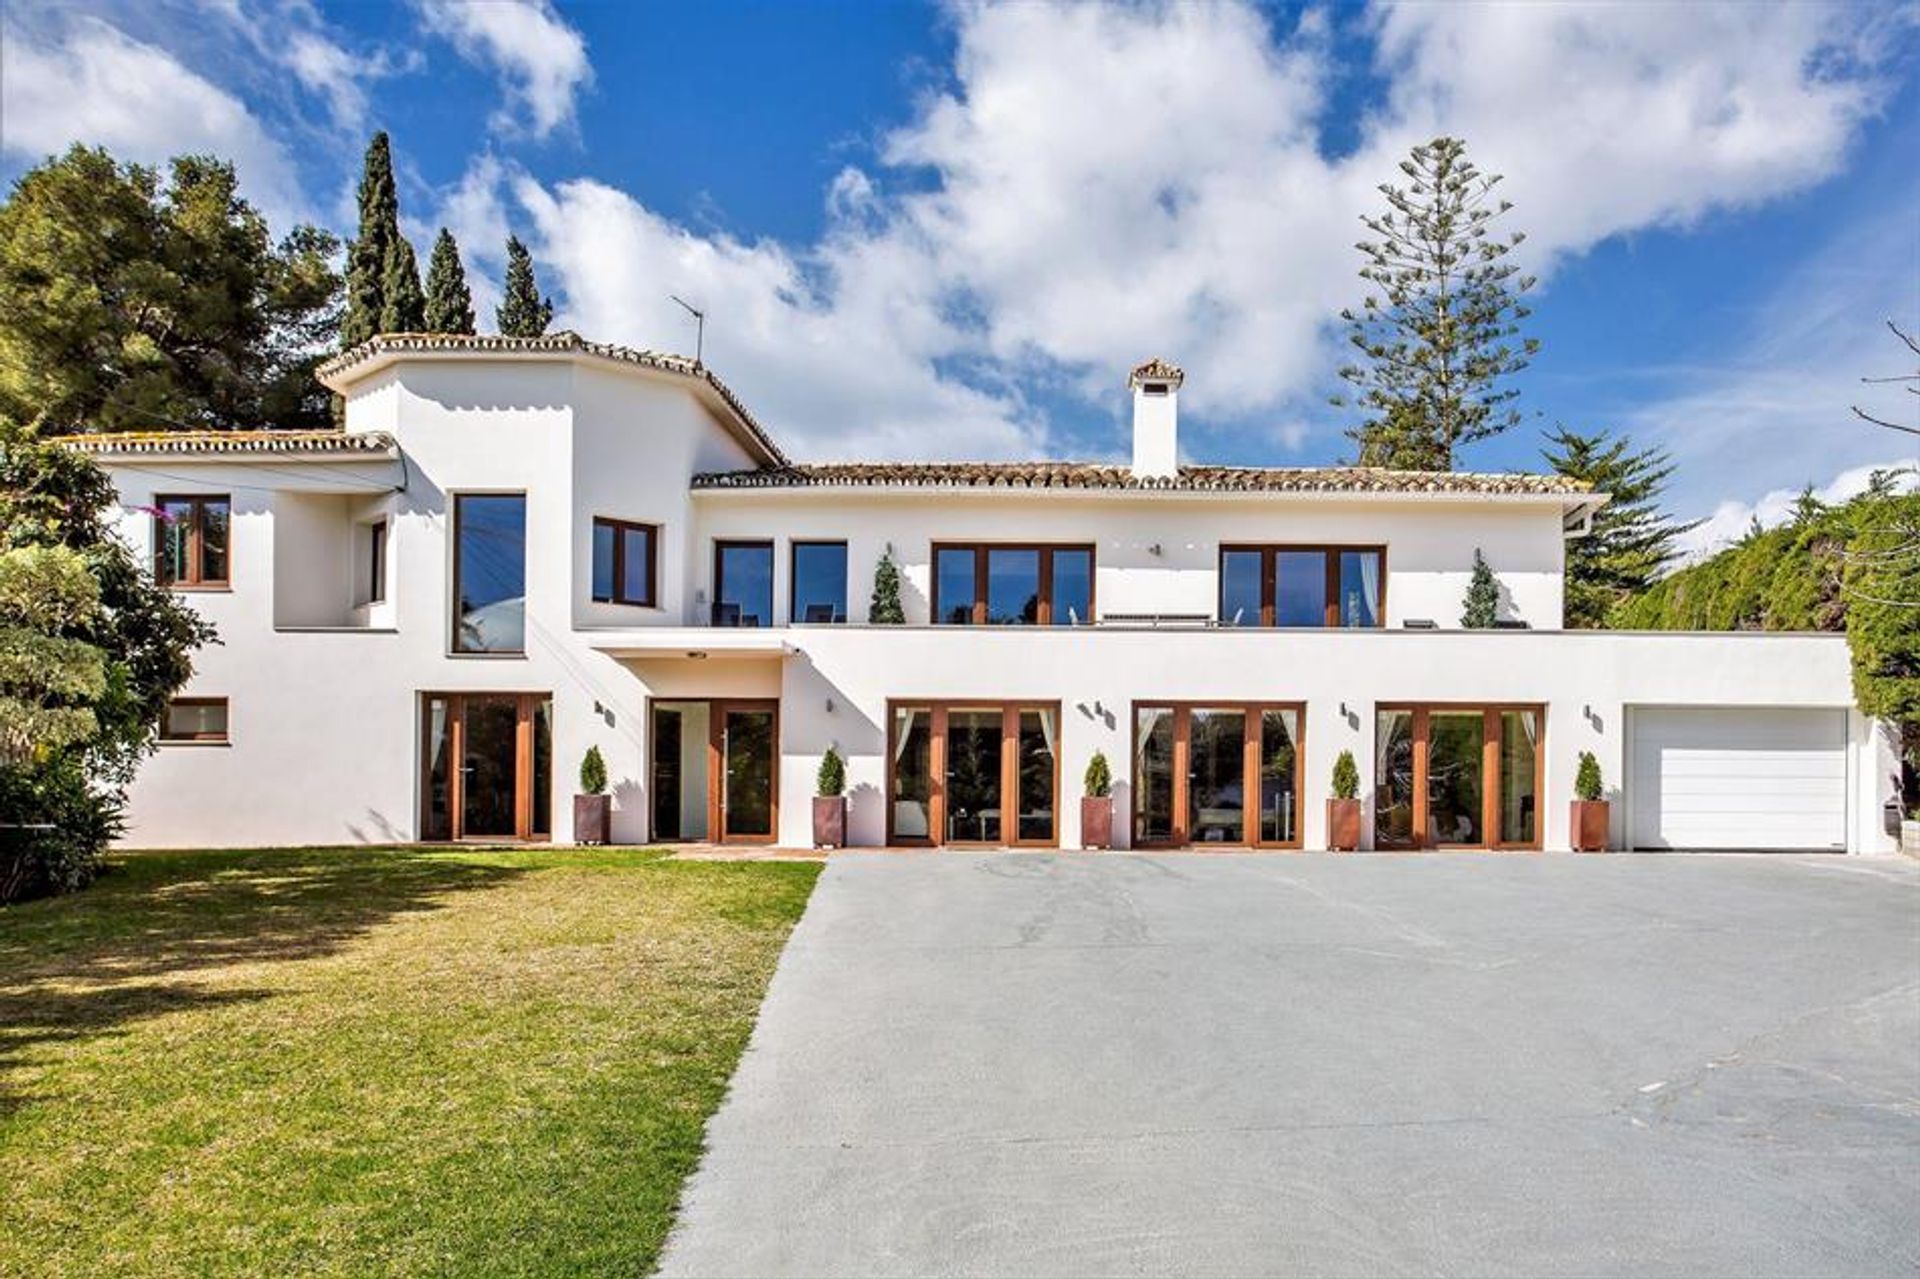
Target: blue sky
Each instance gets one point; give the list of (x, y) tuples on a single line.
[(948, 231)]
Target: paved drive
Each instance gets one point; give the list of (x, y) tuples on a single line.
[(1067, 1064)]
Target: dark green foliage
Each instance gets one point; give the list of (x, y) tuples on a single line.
[(372, 248), (449, 302), (884, 609), (1438, 339), (1632, 539), (522, 313), (1883, 608), (1346, 777), (1483, 597), (593, 772), (1099, 779), (132, 303), (832, 779), (51, 496), (1587, 783), (403, 305)]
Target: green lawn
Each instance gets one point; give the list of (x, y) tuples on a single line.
[(356, 1062)]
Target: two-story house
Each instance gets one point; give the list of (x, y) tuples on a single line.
[(520, 548)]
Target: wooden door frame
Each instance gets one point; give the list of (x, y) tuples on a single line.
[(938, 709), (1270, 553), (717, 708), (1249, 771), (526, 710), (1043, 614), (1490, 797)]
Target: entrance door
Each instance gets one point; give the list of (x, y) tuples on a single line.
[(971, 773), (746, 741), (1457, 777), (487, 761), (1215, 775)]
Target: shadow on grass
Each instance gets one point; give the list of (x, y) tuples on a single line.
[(128, 949)]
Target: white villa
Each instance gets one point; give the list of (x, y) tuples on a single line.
[(521, 548)]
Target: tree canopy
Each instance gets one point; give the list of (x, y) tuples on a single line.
[(1631, 541), (449, 302), (522, 313)]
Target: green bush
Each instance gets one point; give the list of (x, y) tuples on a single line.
[(1346, 777), (1587, 783), (832, 780), (1099, 778), (884, 608), (62, 827), (593, 772)]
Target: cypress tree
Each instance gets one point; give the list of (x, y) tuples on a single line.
[(449, 302), (1632, 539), (884, 608), (405, 307), (369, 255), (1483, 597), (522, 312)]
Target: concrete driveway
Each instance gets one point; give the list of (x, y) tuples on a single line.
[(1070, 1064)]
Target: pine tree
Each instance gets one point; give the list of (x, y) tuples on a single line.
[(1438, 339), (1631, 541), (449, 302), (1483, 597), (522, 313), (370, 254), (404, 308)]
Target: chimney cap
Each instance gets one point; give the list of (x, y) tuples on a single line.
[(1156, 370)]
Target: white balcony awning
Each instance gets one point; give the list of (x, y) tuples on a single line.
[(687, 643)]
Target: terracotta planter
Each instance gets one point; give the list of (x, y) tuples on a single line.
[(829, 821), (1587, 825), (1343, 825), (592, 819), (1096, 821)]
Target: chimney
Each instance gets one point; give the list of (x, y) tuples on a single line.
[(1156, 420)]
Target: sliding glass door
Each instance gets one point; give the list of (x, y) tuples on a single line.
[(1457, 777), (486, 766), (1216, 775), (715, 770), (983, 774)]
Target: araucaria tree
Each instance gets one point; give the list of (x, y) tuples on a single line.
[(449, 302), (1631, 541), (522, 313), (1437, 340)]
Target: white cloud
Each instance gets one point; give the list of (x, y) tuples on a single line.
[(1731, 519), (543, 59), (98, 86)]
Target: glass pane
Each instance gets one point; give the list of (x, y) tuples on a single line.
[(912, 772), (437, 821), (1359, 588), (1216, 777), (377, 562), (819, 582), (603, 535), (172, 538), (636, 569), (1279, 823), (489, 766), (953, 585), (973, 776), (1153, 775), (1519, 732), (749, 764), (744, 594), (203, 720), (679, 772), (1455, 762), (1240, 588), (1013, 587), (1072, 588), (215, 518), (1300, 588), (490, 566), (1393, 779), (543, 767), (1037, 730)]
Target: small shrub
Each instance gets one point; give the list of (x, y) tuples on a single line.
[(593, 772), (1099, 779), (884, 609), (1346, 777), (1483, 597), (832, 780), (1587, 783)]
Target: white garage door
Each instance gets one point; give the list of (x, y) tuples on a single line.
[(1761, 779)]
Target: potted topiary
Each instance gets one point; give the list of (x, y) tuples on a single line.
[(830, 804), (593, 807), (1587, 822), (1096, 805), (1343, 810)]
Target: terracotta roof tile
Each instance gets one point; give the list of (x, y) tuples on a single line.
[(189, 442), (1110, 476)]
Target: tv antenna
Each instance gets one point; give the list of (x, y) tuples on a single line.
[(699, 326)]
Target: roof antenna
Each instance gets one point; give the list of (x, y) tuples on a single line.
[(699, 330)]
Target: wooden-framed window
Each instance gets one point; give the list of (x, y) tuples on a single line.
[(743, 583), (973, 773), (1219, 774), (377, 562), (486, 766), (817, 583), (195, 719), (1012, 584), (490, 573), (192, 541), (1303, 586), (1458, 776), (626, 562)]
